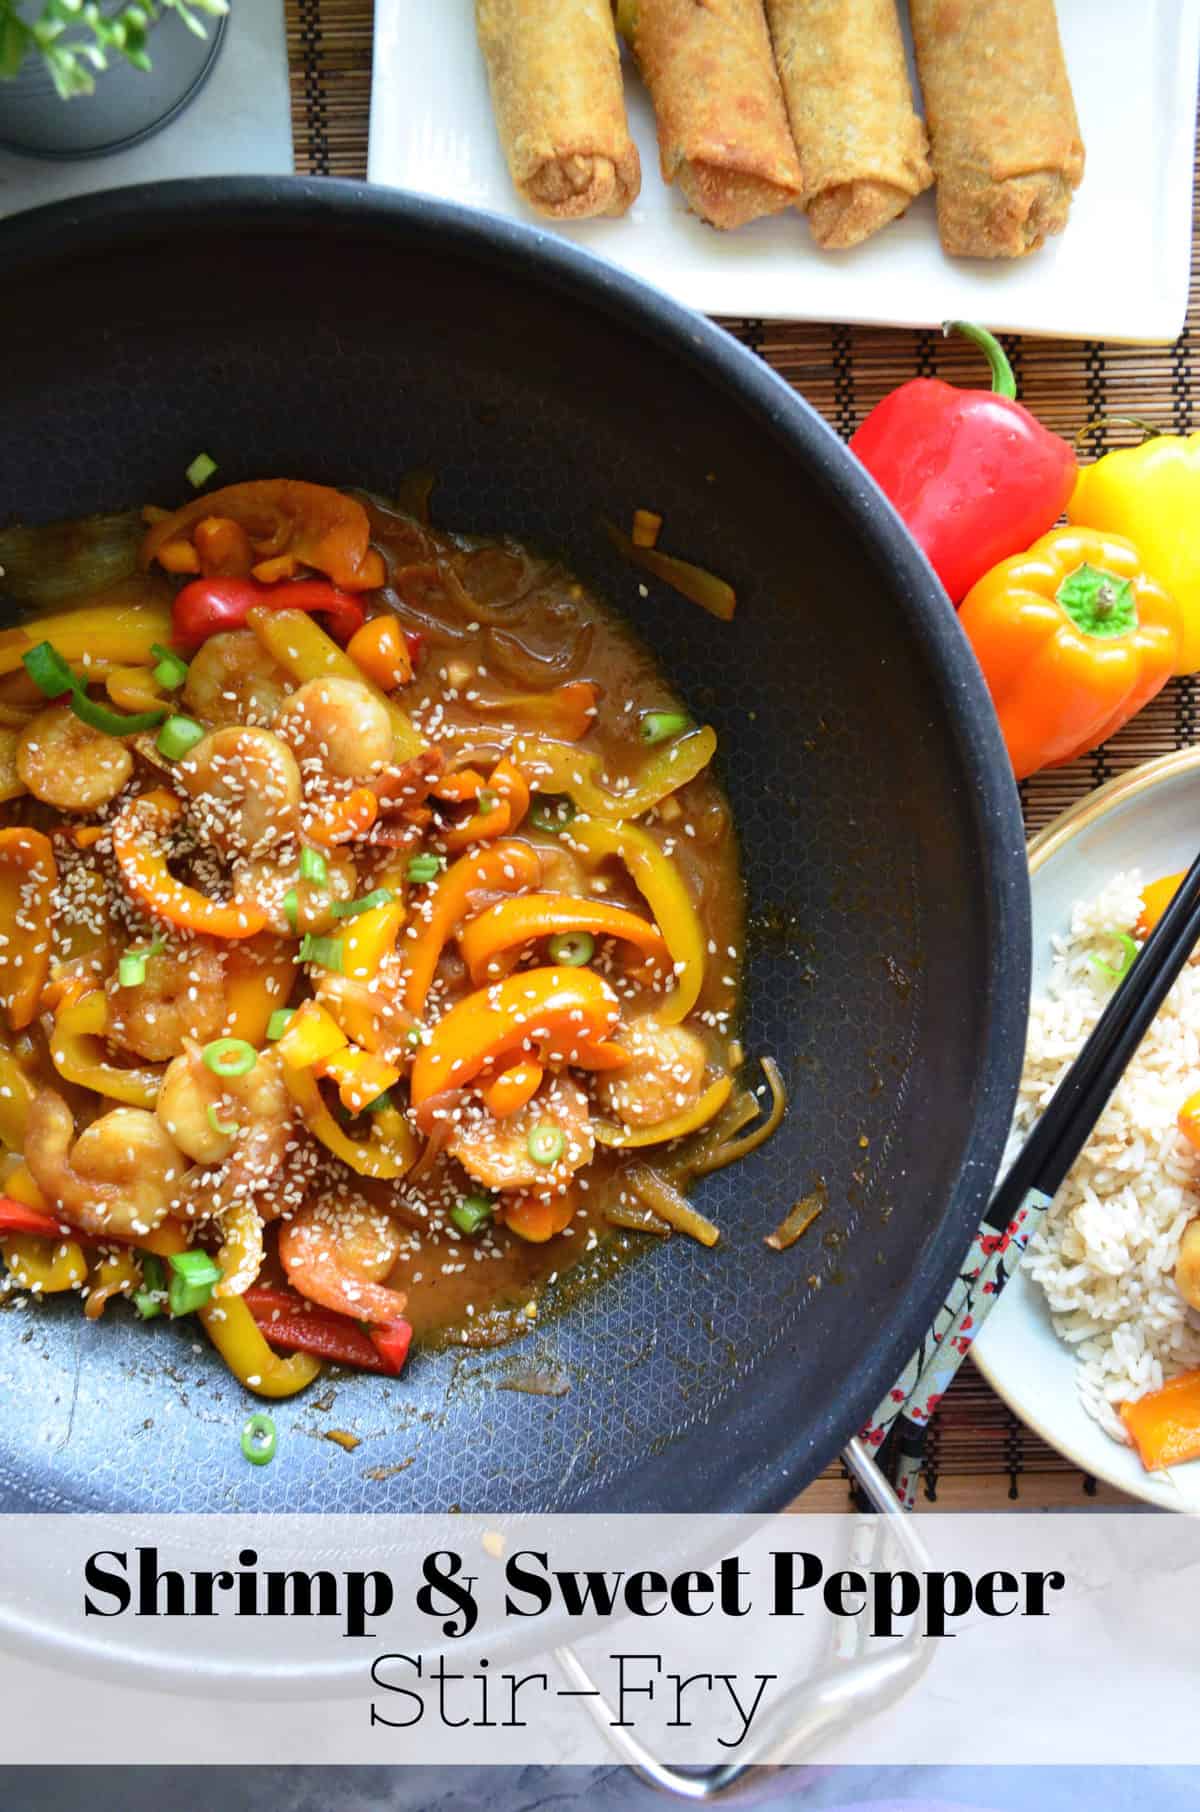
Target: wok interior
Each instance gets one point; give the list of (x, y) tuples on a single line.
[(349, 353)]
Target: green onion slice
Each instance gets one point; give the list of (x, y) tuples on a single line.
[(350, 909), (1129, 952), (131, 969), (471, 1213), (551, 811), (279, 1022), (48, 670), (574, 948), (193, 1276), (200, 470), (177, 736), (171, 670), (314, 868), (660, 726), (423, 868), (380, 1103), (546, 1143), (291, 907), (325, 952), (229, 1057), (487, 799), (146, 1304), (259, 1439), (148, 1301), (225, 1128)]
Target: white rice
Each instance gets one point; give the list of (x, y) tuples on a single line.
[(1105, 1255)]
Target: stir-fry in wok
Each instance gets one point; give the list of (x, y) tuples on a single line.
[(369, 935)]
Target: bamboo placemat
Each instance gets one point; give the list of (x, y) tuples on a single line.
[(980, 1456)]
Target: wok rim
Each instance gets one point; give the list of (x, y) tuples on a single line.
[(111, 220)]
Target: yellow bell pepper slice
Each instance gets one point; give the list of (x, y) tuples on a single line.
[(16, 1094), (662, 887), (117, 1274), (237, 1337), (257, 982), (370, 938), (361, 1077), (116, 633), (78, 1055), (28, 877), (555, 767), (45, 1266), (628, 1138), (241, 1253), (11, 784), (135, 689), (312, 1036), (391, 1150), (304, 650)]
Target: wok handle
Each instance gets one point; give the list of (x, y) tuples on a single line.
[(851, 1691)]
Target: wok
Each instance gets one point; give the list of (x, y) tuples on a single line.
[(345, 334)]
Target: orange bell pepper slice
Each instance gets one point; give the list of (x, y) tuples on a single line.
[(28, 877), (566, 712), (222, 548), (513, 1089), (257, 982), (662, 887), (136, 835), (1156, 897), (537, 1218), (506, 867), (344, 820), (312, 1037), (1164, 1425), (1073, 638), (380, 649), (496, 816), (316, 525), (1189, 1120), (361, 1077), (562, 1012), (512, 923)]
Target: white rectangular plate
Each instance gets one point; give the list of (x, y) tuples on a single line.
[(1119, 272)]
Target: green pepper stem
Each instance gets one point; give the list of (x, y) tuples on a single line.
[(1003, 381)]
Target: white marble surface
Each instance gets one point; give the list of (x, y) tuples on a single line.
[(239, 124)]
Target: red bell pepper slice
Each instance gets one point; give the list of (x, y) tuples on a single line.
[(286, 1322), (18, 1217), (205, 607)]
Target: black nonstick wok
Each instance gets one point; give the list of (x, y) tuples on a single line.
[(337, 333)]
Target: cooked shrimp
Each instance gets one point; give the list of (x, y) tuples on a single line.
[(336, 1252), (497, 1152), (245, 788), (1187, 1265), (233, 680), (180, 999), (340, 724), (246, 1119), (120, 1175), (371, 1014), (67, 764), (664, 1076), (265, 881)]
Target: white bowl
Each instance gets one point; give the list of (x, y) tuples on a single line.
[(1147, 819)]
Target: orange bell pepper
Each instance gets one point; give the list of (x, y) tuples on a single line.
[(314, 524), (537, 1218), (563, 1012), (312, 1036), (257, 982), (495, 816), (513, 1089), (566, 712), (1164, 1425), (662, 887), (1189, 1120), (143, 867), (361, 1077), (304, 650), (512, 923), (222, 547), (380, 649), (1156, 897), (28, 877), (1073, 639), (344, 820), (506, 867)]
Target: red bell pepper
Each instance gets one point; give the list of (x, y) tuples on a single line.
[(205, 607), (974, 475), (286, 1321), (16, 1217)]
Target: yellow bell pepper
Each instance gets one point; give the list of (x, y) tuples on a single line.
[(11, 784), (77, 1053), (361, 1077), (312, 1036), (236, 1335), (1151, 494), (241, 1254), (83, 928), (257, 982), (117, 1274), (16, 1094), (661, 886), (709, 1104), (369, 938), (114, 633), (135, 689), (304, 650), (390, 1152), (46, 1266), (555, 767), (28, 877)]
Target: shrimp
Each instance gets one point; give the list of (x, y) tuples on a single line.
[(339, 724), (265, 881), (336, 1252), (497, 1152), (180, 999), (120, 1176), (372, 1014), (67, 764), (664, 1076), (241, 1121), (245, 789), (233, 680)]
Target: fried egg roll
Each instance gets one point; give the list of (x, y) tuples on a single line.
[(1007, 153), (861, 145), (554, 67), (723, 133)]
